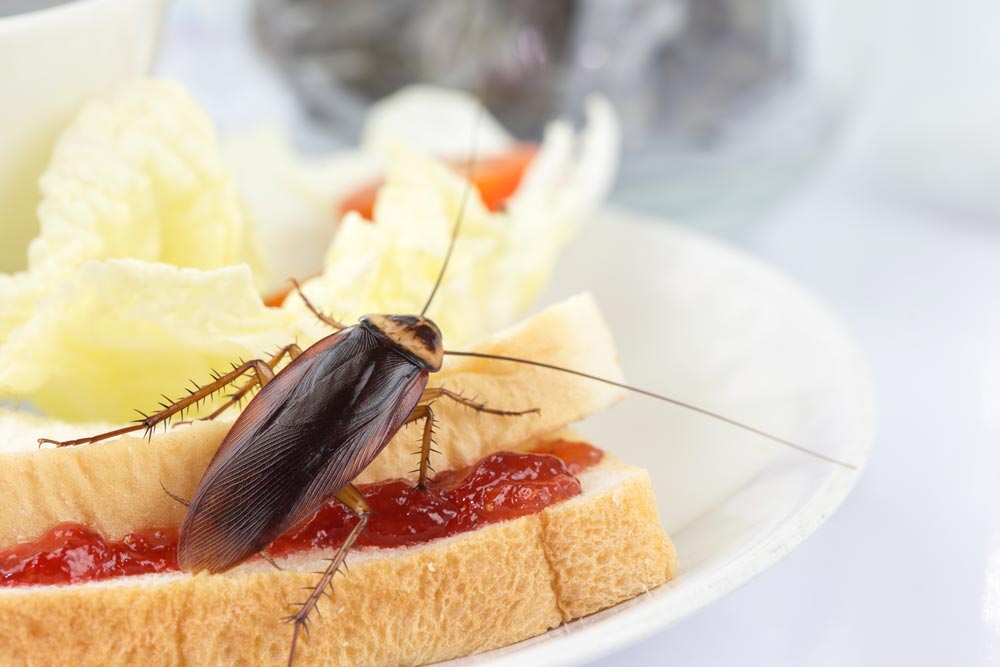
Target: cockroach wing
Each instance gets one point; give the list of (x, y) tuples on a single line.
[(306, 435)]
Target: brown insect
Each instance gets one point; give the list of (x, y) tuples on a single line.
[(315, 425)]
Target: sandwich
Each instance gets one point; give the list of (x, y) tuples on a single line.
[(576, 531)]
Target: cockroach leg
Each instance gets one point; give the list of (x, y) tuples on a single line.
[(150, 422), (354, 501), (266, 555), (424, 412), (315, 311), (292, 351), (185, 503), (441, 392)]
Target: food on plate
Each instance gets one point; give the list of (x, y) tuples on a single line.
[(405, 606), (571, 333), (495, 178), (149, 270), (145, 252), (502, 259), (463, 592), (155, 244)]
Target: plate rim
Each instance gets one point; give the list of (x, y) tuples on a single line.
[(592, 637)]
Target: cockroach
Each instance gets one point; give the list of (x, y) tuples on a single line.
[(317, 423)]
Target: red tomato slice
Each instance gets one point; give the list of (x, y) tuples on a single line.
[(496, 179), (361, 200), (275, 299)]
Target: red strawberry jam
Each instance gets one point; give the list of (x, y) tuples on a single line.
[(70, 552), (578, 456), (502, 486)]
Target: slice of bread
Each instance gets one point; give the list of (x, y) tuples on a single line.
[(114, 486), (409, 606)]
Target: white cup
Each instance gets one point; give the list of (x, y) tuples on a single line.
[(53, 57)]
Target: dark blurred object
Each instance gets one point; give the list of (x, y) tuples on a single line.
[(697, 83), (678, 67), (342, 55)]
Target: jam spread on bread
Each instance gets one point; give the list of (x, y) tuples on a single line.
[(71, 553), (578, 456), (501, 486)]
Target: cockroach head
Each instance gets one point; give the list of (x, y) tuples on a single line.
[(413, 335)]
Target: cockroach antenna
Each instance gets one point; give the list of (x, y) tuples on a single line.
[(660, 397), (688, 406), (470, 173)]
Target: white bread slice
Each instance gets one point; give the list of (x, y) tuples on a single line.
[(114, 486), (409, 606)]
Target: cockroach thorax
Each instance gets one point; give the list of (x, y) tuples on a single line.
[(416, 336)]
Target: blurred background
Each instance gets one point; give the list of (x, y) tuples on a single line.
[(747, 93), (853, 144)]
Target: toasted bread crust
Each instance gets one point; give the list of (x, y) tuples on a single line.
[(114, 486), (449, 598)]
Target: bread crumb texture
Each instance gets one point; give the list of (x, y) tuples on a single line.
[(449, 598)]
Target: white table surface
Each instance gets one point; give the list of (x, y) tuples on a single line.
[(907, 572)]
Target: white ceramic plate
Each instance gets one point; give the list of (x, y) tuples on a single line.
[(703, 322)]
